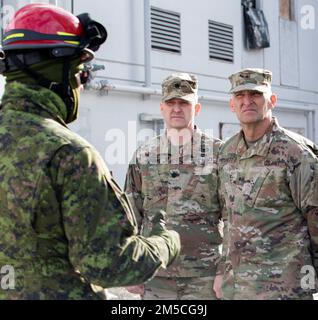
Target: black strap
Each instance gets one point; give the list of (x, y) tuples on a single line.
[(30, 35), (203, 150)]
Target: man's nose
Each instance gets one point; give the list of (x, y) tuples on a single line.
[(247, 99), (176, 107)]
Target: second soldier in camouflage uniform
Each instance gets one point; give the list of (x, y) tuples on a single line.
[(180, 178), (66, 227), (269, 185)]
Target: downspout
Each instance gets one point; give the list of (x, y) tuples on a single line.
[(314, 127), (309, 124), (310, 115), (147, 40), (1, 19)]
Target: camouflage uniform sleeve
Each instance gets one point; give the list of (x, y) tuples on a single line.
[(101, 235), (304, 186), (312, 218), (222, 215), (132, 188)]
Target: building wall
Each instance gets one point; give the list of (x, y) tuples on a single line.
[(110, 119)]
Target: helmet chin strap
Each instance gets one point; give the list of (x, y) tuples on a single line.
[(63, 89), (67, 93)]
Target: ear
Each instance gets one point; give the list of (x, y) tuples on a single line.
[(197, 109), (161, 106), (231, 104), (272, 101)]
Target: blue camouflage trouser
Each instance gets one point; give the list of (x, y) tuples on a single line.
[(161, 288)]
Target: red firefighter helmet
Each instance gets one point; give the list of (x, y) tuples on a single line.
[(40, 32), (44, 26)]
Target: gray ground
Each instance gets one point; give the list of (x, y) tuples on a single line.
[(123, 294)]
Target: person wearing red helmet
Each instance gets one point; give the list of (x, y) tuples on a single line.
[(66, 226), (47, 48)]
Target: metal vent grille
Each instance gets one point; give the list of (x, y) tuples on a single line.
[(165, 30), (221, 41)]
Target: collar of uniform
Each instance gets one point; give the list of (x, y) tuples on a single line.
[(196, 133), (165, 145), (261, 147), (34, 99)]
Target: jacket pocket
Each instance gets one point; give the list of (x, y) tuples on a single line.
[(243, 187), (253, 183)]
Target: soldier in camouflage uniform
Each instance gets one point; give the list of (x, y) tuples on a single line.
[(176, 171), (66, 227), (269, 187)]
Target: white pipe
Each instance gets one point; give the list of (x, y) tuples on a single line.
[(106, 86), (103, 85)]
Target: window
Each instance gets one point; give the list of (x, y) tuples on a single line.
[(150, 126), (227, 129), (165, 30), (286, 9), (221, 41)]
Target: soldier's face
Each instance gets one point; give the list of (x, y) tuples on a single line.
[(179, 114), (252, 106)]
